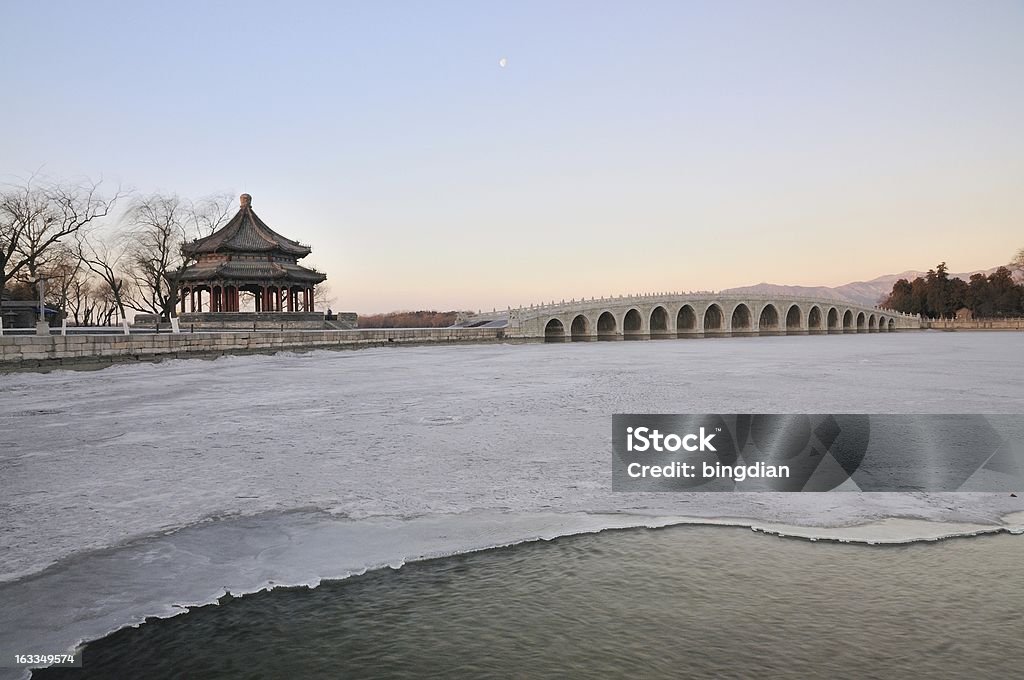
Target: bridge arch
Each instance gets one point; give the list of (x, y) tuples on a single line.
[(632, 324), (658, 322), (554, 331), (686, 321), (814, 319), (833, 320), (714, 319), (580, 328), (768, 322), (794, 318), (862, 326), (607, 327), (872, 327), (741, 323), (848, 321), (892, 324)]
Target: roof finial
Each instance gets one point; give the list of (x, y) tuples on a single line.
[(245, 201)]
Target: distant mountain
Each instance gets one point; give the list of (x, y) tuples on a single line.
[(860, 292)]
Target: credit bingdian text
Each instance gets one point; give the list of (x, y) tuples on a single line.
[(642, 439)]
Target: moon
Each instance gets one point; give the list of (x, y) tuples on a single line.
[(503, 62)]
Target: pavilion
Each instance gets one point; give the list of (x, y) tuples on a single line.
[(247, 256)]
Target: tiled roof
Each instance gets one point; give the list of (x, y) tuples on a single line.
[(281, 272), (245, 233)]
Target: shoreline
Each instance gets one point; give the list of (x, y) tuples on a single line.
[(41, 354), (142, 349)]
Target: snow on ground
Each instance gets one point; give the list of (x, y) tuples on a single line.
[(511, 439)]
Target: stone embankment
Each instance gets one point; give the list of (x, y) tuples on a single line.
[(35, 353), (974, 324)]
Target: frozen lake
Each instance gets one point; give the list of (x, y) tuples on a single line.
[(139, 487)]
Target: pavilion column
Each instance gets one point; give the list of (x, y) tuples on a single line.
[(305, 299), (181, 301), (311, 299), (290, 309), (192, 299)]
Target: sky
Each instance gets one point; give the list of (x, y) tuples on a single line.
[(624, 147)]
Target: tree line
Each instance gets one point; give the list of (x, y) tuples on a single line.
[(100, 253), (419, 319), (937, 295)]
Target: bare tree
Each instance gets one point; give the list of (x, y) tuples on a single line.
[(1017, 263), (36, 215), (323, 298), (61, 270), (158, 225), (105, 256), (209, 214)]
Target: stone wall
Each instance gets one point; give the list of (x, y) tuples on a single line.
[(975, 324), (85, 351), (251, 321)]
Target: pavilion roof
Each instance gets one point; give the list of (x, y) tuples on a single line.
[(246, 271), (245, 233)]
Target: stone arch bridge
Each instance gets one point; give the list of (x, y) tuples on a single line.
[(698, 315)]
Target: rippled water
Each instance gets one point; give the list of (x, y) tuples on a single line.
[(666, 603)]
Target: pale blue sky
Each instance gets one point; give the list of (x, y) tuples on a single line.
[(625, 147)]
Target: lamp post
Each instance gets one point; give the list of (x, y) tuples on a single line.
[(42, 328)]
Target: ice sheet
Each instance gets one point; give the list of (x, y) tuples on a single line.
[(99, 463)]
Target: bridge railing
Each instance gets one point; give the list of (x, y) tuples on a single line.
[(701, 295)]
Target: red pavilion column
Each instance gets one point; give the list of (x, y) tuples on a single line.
[(311, 305)]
